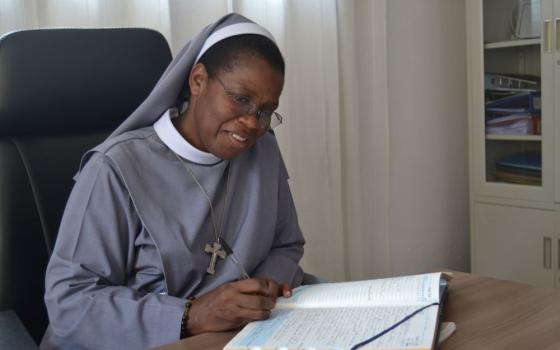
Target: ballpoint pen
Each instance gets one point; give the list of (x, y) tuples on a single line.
[(230, 253)]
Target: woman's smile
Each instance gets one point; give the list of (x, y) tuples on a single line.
[(238, 140), (238, 137)]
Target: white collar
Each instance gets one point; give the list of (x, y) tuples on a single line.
[(171, 138)]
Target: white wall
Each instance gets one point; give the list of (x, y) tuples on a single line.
[(428, 153)]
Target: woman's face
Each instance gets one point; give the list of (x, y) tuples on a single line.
[(214, 121)]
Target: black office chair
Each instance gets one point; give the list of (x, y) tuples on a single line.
[(61, 92)]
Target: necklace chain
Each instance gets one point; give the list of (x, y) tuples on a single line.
[(217, 233)]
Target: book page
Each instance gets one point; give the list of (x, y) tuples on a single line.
[(407, 290), (339, 328)]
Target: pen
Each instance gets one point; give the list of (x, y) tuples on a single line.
[(230, 253)]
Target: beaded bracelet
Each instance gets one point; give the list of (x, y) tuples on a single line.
[(185, 320)]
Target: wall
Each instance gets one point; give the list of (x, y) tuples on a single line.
[(428, 209)]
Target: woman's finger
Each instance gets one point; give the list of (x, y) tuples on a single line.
[(253, 286), (255, 302), (286, 290)]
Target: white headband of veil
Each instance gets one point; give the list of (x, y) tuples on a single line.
[(233, 30), (170, 85)]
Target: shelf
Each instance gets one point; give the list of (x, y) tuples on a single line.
[(512, 43), (514, 137)]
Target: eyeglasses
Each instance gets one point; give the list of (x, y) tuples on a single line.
[(244, 106)]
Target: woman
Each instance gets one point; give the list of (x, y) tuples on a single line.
[(182, 221)]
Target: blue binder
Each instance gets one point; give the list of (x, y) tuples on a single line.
[(527, 102), (529, 163)]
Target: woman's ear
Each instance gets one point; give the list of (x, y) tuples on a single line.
[(198, 79)]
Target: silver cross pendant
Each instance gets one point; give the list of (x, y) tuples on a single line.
[(216, 250)]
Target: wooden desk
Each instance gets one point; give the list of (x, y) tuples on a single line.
[(489, 314)]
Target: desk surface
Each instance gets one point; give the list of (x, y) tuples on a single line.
[(489, 314)]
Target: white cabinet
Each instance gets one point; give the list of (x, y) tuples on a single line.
[(494, 55), (514, 138), (514, 243)]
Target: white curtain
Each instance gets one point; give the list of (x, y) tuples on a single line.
[(27, 14), (334, 139), (311, 137)]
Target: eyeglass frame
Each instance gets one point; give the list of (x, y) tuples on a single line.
[(252, 109)]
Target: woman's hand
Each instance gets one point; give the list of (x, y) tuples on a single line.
[(235, 304)]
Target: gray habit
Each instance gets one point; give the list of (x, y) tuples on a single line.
[(131, 245), (130, 248)]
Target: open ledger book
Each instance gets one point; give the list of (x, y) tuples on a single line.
[(341, 315)]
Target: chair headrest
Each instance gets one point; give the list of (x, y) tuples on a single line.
[(59, 81)]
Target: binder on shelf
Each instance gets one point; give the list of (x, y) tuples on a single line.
[(524, 102), (527, 162), (514, 124), (520, 168), (494, 81)]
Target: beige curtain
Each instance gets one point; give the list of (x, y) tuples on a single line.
[(311, 137), (28, 14)]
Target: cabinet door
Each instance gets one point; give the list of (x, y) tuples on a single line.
[(512, 243), (510, 102), (554, 44), (556, 252)]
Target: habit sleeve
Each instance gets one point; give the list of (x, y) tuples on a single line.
[(86, 294), (282, 261)]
